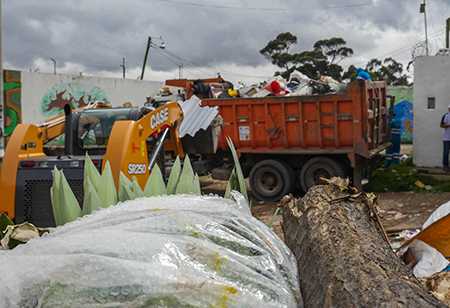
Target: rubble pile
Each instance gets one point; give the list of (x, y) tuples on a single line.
[(297, 84)]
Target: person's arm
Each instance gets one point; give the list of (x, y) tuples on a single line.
[(443, 125)]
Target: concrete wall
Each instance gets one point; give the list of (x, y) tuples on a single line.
[(44, 95), (32, 97), (431, 80)]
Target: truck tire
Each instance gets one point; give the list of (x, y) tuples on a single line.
[(291, 174), (320, 167), (270, 180)]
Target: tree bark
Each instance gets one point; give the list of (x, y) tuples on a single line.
[(344, 258)]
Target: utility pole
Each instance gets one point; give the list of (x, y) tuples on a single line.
[(423, 10), (54, 65), (123, 66), (145, 58), (162, 46), (447, 33), (2, 106)]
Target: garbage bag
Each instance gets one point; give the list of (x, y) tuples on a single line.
[(166, 251), (334, 84), (297, 76), (429, 260)]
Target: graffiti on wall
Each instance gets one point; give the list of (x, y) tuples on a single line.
[(403, 109), (404, 112), (74, 94), (12, 88)]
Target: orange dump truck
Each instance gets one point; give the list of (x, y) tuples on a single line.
[(288, 142)]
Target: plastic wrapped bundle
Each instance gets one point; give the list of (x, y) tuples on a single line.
[(167, 251)]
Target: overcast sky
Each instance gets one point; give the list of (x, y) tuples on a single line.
[(206, 37)]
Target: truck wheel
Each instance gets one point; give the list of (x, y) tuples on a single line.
[(270, 180), (320, 167), (291, 174)]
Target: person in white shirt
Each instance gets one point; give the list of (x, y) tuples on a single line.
[(445, 124)]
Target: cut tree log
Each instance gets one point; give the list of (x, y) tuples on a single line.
[(343, 254)]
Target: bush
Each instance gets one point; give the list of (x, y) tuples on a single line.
[(403, 177)]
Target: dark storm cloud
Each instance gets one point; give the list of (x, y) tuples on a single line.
[(96, 35)]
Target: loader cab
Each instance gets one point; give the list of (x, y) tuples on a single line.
[(90, 130), (92, 127)]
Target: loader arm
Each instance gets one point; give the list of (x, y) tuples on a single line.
[(127, 148)]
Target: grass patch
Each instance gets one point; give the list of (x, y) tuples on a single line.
[(403, 177)]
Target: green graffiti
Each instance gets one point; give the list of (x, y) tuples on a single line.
[(14, 117), (74, 94), (407, 136), (11, 85), (401, 94)]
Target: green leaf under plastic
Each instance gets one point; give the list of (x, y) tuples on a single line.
[(137, 190), (123, 182), (273, 218), (106, 188), (196, 190), (54, 195), (91, 172), (232, 185), (186, 178), (91, 201), (68, 209), (129, 194), (4, 222), (174, 177), (239, 173), (155, 185)]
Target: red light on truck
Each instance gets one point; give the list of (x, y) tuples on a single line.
[(95, 162), (28, 164)]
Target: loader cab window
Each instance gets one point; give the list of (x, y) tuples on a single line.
[(95, 125)]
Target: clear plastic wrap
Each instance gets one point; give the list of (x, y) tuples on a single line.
[(167, 251)]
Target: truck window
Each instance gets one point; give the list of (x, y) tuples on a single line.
[(95, 125)]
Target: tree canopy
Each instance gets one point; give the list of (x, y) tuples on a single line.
[(324, 60)]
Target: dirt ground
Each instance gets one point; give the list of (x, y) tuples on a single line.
[(398, 211)]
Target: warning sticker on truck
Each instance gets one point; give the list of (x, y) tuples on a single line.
[(244, 132)]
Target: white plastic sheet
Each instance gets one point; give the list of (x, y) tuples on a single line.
[(167, 251)]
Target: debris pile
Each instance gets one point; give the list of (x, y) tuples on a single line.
[(297, 84)]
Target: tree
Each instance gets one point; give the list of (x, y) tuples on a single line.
[(389, 70), (350, 74), (310, 63), (277, 50), (334, 49), (321, 61)]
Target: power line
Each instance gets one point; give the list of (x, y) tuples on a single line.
[(215, 70), (400, 50), (274, 9), (431, 17)]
